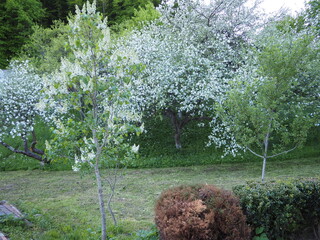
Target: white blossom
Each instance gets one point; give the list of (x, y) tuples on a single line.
[(20, 91)]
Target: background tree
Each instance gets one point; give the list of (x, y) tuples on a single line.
[(19, 94), (56, 10), (46, 46), (269, 111), (141, 17), (313, 15), (17, 18), (118, 11), (189, 53), (91, 92)]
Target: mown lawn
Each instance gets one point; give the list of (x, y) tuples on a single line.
[(63, 204)]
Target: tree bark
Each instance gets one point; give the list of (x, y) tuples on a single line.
[(112, 183), (101, 203), (29, 152), (263, 169), (177, 139), (265, 154), (179, 121)]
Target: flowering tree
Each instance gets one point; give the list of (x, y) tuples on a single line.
[(269, 110), (190, 52), (90, 96), (19, 94)]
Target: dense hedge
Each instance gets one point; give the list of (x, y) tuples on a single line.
[(200, 212), (285, 209)]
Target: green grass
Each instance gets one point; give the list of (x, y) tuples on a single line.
[(63, 204)]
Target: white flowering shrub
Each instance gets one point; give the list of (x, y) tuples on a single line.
[(90, 99), (20, 92), (190, 53)]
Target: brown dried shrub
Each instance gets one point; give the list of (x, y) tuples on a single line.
[(200, 212)]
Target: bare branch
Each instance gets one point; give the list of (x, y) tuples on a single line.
[(27, 152), (282, 152), (258, 155)]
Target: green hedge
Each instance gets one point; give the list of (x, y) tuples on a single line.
[(285, 209)]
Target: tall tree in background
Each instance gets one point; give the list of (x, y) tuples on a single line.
[(55, 10), (17, 18), (190, 52)]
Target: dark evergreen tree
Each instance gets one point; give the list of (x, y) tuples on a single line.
[(55, 9), (17, 18)]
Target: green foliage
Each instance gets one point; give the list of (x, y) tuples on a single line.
[(46, 46), (313, 14), (260, 234), (17, 18), (282, 208), (140, 18), (119, 11), (10, 220), (200, 212), (149, 234), (157, 146)]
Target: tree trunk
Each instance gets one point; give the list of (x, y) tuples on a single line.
[(177, 140), (263, 169), (109, 205), (101, 203), (178, 122), (266, 145)]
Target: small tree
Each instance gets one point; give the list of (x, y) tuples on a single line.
[(90, 96), (19, 94), (269, 111)]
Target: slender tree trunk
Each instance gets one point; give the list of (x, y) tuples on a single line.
[(101, 203), (263, 169), (104, 7), (109, 205), (266, 145)]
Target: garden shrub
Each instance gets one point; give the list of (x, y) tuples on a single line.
[(284, 209), (200, 212)]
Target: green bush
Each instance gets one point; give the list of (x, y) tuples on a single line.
[(202, 212), (149, 234), (284, 209)]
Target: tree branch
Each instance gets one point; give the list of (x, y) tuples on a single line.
[(26, 153), (258, 155), (275, 155)]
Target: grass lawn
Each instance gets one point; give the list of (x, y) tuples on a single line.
[(63, 204)]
